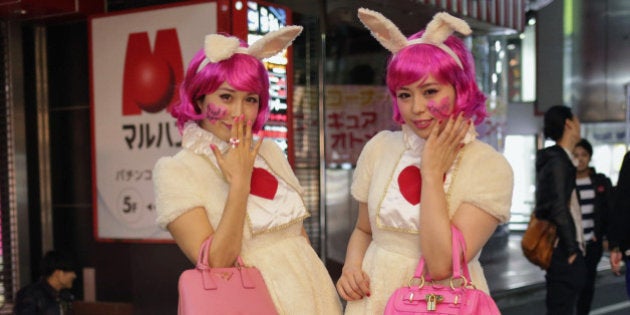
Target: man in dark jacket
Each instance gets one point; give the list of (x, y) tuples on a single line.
[(619, 236), (50, 295), (556, 201)]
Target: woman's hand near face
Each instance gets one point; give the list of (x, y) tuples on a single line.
[(237, 163), (442, 145)]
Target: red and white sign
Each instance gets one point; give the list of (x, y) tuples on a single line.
[(137, 61), (354, 114)]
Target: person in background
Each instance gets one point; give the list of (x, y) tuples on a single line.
[(556, 201), (239, 192), (619, 236), (595, 197), (412, 185), (50, 295)]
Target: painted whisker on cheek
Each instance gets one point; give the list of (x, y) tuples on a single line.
[(440, 111), (215, 112)]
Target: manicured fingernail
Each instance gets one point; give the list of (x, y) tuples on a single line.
[(368, 294), (249, 122), (213, 146)]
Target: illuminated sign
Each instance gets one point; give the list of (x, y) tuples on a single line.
[(262, 19)]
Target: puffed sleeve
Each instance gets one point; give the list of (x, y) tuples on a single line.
[(488, 181), (365, 167), (176, 190)]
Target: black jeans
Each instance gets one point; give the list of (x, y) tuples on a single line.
[(594, 251), (564, 283)]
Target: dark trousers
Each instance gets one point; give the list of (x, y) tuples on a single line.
[(594, 251), (627, 262), (564, 283)]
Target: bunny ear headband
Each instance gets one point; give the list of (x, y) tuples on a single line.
[(437, 31), (218, 47)]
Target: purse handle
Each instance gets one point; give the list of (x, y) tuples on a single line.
[(204, 252), (458, 247), (205, 269)]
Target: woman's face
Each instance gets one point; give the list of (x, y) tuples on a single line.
[(423, 102), (583, 158), (223, 105)]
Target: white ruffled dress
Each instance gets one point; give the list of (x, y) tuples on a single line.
[(296, 277), (386, 177)]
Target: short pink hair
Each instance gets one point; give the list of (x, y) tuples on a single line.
[(417, 62), (243, 72)]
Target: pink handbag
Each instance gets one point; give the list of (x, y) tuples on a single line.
[(235, 290), (442, 299)]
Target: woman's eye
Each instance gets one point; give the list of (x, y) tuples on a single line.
[(225, 97), (403, 95), (252, 100), (430, 91)]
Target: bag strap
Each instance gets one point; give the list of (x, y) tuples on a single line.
[(204, 268), (458, 247), (204, 252)]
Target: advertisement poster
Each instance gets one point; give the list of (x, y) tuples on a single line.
[(354, 114), (138, 58)]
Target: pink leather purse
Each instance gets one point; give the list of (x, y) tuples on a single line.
[(434, 298), (235, 290)]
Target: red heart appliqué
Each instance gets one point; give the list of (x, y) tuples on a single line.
[(263, 184), (410, 184)]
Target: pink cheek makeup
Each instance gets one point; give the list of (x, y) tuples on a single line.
[(440, 111), (215, 113)]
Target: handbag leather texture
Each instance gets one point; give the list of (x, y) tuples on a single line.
[(233, 290), (433, 298), (538, 241)]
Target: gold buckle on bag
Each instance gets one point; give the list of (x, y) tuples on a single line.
[(433, 300)]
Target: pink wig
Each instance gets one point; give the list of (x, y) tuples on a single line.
[(417, 62), (243, 72)]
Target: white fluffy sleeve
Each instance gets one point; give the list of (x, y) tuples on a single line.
[(176, 190), (486, 181)]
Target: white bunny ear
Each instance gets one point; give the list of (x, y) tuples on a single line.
[(218, 47), (442, 26), (274, 42), (383, 30), (439, 29)]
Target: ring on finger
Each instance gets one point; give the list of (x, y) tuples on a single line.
[(234, 142)]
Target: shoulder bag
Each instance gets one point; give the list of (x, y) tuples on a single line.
[(538, 241), (433, 298), (235, 290)]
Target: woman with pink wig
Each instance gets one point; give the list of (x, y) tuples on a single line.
[(240, 192), (413, 184)]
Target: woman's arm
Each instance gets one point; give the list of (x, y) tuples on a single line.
[(192, 227), (190, 230), (439, 153), (354, 283), (476, 226)]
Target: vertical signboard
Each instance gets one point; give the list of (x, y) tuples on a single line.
[(354, 114), (137, 60), (252, 20)]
